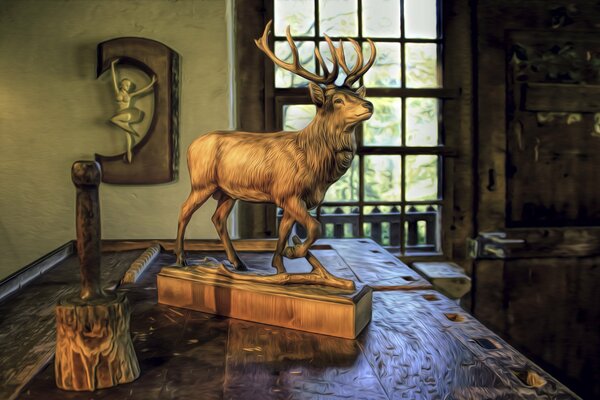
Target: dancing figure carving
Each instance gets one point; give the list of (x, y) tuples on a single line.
[(290, 169), (127, 114)]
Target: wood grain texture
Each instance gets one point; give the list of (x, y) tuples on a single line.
[(420, 345), (537, 180), (565, 242), (265, 363), (190, 245), (551, 172), (86, 176), (360, 260), (439, 351), (93, 346), (28, 323), (539, 96), (446, 277), (156, 155), (566, 336), (376, 267), (311, 308), (458, 117), (181, 353), (19, 279), (141, 263)]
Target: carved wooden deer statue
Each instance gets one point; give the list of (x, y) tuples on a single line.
[(291, 169)]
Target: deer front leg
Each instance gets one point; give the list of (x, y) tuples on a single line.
[(196, 198), (219, 219), (284, 232), (297, 210)]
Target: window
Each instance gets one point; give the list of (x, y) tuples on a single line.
[(393, 192)]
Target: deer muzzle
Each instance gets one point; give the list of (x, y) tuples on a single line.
[(368, 111)]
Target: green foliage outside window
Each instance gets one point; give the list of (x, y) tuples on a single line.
[(383, 179)]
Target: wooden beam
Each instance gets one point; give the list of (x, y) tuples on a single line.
[(447, 277), (560, 97)]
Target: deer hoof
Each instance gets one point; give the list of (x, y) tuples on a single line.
[(293, 251), (240, 266), (278, 264), (181, 262)]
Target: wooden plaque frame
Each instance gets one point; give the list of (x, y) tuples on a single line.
[(155, 157)]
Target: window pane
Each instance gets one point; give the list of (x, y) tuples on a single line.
[(297, 116), (338, 17), (381, 18), (422, 122), (421, 177), (420, 19), (382, 224), (285, 79), (349, 58), (386, 71), (382, 178), (340, 222), (421, 65), (298, 14), (346, 188), (384, 128)]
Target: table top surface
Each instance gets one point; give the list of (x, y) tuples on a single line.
[(418, 345)]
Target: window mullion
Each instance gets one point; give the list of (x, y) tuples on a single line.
[(317, 23), (361, 198), (298, 95), (360, 26)]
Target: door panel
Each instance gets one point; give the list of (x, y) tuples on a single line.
[(553, 143), (537, 253), (552, 313)]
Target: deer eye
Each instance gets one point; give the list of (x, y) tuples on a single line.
[(338, 101)]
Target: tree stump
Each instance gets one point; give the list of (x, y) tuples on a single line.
[(93, 346)]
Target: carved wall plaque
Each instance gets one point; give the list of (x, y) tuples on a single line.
[(154, 158)]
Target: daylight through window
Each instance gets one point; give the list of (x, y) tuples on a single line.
[(393, 191)]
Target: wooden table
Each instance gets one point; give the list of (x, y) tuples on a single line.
[(418, 345)]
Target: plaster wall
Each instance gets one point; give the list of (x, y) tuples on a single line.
[(54, 111)]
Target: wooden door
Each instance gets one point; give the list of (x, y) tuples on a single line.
[(537, 251)]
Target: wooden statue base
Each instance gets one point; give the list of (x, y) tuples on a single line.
[(311, 308), (93, 345)]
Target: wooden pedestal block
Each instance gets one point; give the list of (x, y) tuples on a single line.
[(93, 346), (311, 308)]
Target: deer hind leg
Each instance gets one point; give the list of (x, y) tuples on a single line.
[(285, 226), (297, 209), (219, 219), (194, 201)]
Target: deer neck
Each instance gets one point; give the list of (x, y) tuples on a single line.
[(329, 152)]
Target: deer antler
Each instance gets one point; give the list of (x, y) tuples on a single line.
[(294, 66), (354, 74), (337, 55)]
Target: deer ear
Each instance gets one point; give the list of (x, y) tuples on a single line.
[(317, 94), (361, 92)]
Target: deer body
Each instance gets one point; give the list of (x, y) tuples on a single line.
[(270, 167), (290, 169)]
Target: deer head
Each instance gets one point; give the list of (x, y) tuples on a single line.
[(342, 107)]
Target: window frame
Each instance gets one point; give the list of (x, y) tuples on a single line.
[(299, 95), (255, 111)]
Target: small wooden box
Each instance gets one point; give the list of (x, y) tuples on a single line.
[(316, 309)]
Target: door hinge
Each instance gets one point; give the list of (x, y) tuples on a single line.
[(492, 245)]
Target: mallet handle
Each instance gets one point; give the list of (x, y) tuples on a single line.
[(86, 176)]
